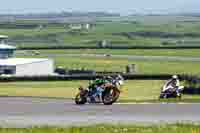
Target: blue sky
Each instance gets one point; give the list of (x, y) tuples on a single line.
[(121, 6)]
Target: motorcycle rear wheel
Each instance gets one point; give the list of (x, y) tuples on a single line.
[(80, 100)]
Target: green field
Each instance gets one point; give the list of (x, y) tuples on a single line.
[(60, 34), (176, 128)]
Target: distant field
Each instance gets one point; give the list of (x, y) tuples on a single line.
[(163, 128), (150, 52), (154, 20), (103, 29)]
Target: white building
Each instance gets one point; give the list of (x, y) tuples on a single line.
[(87, 26), (75, 26), (26, 67), (23, 66), (79, 26)]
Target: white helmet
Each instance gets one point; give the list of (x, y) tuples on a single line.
[(121, 82), (119, 77), (175, 77)]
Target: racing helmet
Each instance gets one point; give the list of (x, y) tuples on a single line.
[(174, 77), (121, 82), (119, 77)]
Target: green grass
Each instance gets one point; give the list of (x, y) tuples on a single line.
[(150, 52), (58, 89), (119, 65), (143, 67), (173, 128), (132, 91)]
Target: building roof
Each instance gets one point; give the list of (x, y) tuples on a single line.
[(4, 46), (3, 37), (20, 61)]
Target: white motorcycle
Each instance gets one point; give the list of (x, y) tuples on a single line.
[(170, 91)]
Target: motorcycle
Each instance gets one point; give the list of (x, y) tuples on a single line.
[(110, 93), (171, 92)]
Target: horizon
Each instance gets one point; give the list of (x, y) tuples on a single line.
[(140, 13)]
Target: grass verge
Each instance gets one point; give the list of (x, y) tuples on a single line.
[(175, 128), (132, 91)]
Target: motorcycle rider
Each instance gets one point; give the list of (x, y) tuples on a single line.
[(97, 87), (173, 85)]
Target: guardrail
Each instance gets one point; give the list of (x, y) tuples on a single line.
[(191, 91)]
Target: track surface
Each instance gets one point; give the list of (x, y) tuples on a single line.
[(23, 112), (130, 57)]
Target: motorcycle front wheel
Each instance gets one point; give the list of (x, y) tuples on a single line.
[(110, 96), (163, 96)]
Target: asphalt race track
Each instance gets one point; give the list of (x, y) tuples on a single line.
[(24, 112), (130, 57)]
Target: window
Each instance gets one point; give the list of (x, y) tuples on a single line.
[(8, 71)]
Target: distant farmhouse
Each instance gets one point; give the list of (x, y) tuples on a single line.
[(78, 26), (22, 66)]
